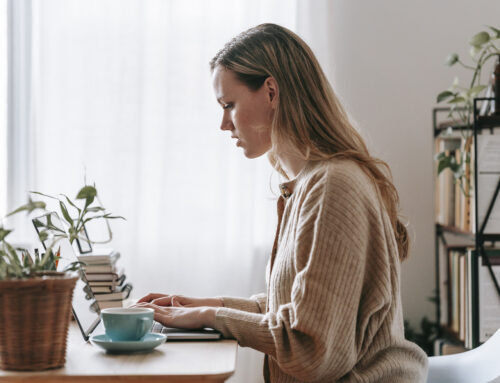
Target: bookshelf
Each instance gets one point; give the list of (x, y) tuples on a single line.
[(467, 231)]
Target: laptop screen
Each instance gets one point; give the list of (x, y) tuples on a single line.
[(85, 308)]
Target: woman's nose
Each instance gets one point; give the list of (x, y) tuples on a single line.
[(226, 123)]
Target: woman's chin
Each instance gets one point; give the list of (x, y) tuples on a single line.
[(251, 154)]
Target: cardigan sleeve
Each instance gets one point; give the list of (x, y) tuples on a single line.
[(255, 304), (314, 335)]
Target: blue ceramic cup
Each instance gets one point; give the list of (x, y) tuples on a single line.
[(126, 324)]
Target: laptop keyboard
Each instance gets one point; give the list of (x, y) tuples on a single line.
[(179, 333), (158, 328)]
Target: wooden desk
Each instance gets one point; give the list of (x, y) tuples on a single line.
[(173, 361)]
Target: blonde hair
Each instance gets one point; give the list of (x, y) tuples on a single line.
[(309, 118)]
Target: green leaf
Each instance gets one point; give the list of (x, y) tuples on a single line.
[(95, 209), (74, 266), (87, 192), (440, 156), (72, 203), (457, 100), (474, 91), (443, 164), (444, 95), (65, 213), (4, 233), (496, 31), (451, 59), (479, 39), (109, 216), (44, 195), (47, 259), (43, 235), (15, 263), (27, 260), (29, 207), (474, 50)]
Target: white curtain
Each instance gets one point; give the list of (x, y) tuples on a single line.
[(3, 107), (120, 91)]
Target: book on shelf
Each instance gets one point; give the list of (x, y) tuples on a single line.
[(109, 277), (102, 289), (120, 294), (465, 292), (454, 298), (455, 203), (99, 258), (443, 284), (445, 182), (110, 284), (443, 346), (99, 268), (488, 163)]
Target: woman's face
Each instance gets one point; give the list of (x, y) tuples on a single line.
[(247, 114)]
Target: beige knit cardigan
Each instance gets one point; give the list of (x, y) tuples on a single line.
[(332, 311)]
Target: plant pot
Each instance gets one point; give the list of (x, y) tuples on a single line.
[(34, 319)]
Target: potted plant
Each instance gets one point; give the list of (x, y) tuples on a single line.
[(35, 298), (484, 46)]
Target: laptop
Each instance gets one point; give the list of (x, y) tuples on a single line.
[(84, 306)]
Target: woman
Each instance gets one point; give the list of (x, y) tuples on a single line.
[(332, 311)]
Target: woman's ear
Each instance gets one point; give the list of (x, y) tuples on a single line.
[(272, 91)]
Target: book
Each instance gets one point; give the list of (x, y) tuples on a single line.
[(443, 346), (445, 187), (111, 284), (454, 286), (443, 283), (101, 289), (99, 268), (90, 259), (121, 294), (461, 294), (111, 277), (488, 164)]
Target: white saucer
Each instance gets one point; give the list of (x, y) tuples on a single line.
[(147, 343)]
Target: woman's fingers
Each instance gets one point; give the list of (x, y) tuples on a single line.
[(175, 302), (150, 297), (163, 301)]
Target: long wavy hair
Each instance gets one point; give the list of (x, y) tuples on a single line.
[(309, 118)]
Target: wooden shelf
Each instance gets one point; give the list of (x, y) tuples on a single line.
[(454, 230)]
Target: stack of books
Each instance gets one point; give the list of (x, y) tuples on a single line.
[(105, 279)]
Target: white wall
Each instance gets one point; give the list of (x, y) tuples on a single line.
[(387, 65), (3, 105)]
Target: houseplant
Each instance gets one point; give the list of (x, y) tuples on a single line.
[(35, 299), (484, 47)]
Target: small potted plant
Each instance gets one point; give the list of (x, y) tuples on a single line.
[(484, 47), (35, 298)]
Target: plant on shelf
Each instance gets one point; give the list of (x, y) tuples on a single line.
[(31, 287), (483, 47)]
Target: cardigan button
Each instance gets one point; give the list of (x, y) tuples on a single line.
[(285, 192)]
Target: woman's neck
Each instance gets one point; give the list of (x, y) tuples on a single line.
[(292, 165)]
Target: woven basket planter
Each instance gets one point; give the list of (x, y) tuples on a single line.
[(34, 319)]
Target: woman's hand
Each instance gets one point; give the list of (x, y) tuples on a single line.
[(180, 301), (182, 317)]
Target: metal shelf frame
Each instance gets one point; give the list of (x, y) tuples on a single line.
[(479, 238)]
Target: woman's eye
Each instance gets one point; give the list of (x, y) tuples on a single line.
[(227, 106)]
